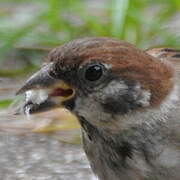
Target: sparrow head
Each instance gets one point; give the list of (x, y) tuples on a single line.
[(99, 79)]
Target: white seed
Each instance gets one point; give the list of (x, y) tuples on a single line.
[(36, 96)]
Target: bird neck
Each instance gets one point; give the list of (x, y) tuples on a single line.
[(110, 154)]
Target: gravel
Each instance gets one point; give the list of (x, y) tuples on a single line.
[(41, 157)]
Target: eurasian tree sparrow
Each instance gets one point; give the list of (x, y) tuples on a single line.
[(126, 100)]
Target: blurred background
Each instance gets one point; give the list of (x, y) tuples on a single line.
[(28, 30)]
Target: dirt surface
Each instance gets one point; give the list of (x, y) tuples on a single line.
[(38, 156)]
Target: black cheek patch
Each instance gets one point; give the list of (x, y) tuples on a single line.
[(115, 106), (123, 101), (120, 105)]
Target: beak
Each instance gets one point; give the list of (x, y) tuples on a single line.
[(44, 92)]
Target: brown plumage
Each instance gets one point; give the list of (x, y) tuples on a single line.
[(126, 60)]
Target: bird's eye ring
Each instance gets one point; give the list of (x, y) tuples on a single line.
[(93, 72)]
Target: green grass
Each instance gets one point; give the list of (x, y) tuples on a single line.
[(18, 72), (59, 21), (5, 103)]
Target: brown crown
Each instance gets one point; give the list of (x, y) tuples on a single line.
[(127, 62)]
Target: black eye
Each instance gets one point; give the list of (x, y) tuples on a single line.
[(93, 72)]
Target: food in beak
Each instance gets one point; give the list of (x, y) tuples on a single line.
[(44, 92), (36, 96), (40, 100)]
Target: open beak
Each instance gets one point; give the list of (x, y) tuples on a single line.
[(43, 92)]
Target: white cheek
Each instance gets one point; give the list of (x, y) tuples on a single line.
[(36, 96), (144, 98)]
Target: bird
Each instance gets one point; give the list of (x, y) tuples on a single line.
[(127, 102)]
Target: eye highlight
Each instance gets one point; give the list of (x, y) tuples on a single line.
[(93, 72), (94, 75)]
